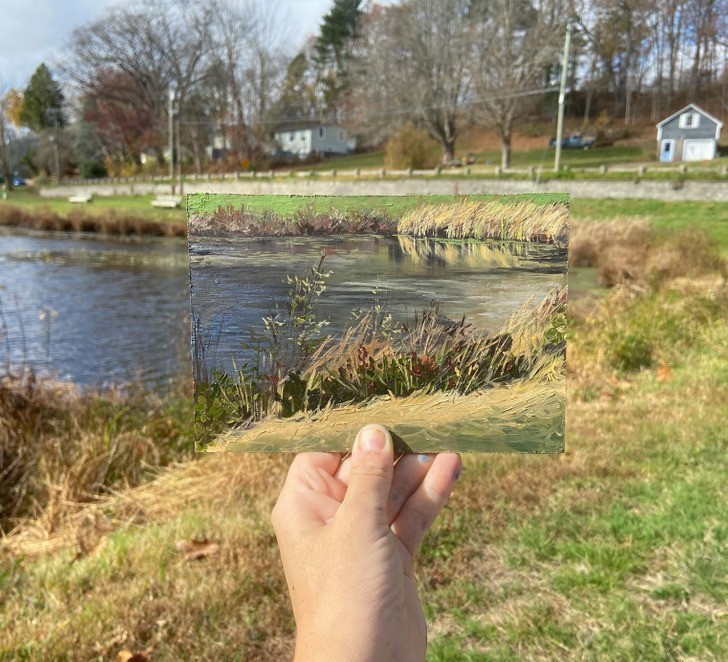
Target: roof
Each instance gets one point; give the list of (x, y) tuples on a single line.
[(688, 107)]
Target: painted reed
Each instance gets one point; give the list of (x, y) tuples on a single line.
[(520, 221)]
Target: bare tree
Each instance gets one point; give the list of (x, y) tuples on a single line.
[(414, 60), (517, 42), (157, 44)]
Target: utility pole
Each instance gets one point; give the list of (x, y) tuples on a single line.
[(179, 152), (562, 98), (170, 134)]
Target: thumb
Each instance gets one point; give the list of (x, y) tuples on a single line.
[(372, 468)]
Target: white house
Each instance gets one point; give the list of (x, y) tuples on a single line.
[(305, 139), (690, 134)]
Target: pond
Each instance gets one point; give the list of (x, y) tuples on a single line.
[(237, 282), (97, 311), (101, 311)]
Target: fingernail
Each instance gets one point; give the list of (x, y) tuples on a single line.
[(372, 438)]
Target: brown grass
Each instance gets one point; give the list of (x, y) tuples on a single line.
[(629, 251), (60, 447), (306, 222), (79, 221), (519, 221)]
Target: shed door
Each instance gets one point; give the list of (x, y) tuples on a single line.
[(668, 148), (698, 150)]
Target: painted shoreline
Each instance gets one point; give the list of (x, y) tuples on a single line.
[(501, 419)]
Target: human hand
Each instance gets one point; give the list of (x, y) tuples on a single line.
[(348, 534)]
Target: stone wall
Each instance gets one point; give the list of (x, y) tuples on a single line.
[(653, 189)]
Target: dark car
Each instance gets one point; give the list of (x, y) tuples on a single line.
[(17, 181), (574, 141)]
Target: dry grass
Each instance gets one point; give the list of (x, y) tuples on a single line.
[(306, 222), (519, 221), (60, 448), (629, 251), (79, 221)]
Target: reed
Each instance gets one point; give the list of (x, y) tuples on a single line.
[(79, 221), (519, 221)]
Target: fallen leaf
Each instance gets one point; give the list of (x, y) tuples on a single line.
[(197, 549), (128, 656), (664, 374)]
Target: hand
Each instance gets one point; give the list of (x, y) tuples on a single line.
[(348, 534)]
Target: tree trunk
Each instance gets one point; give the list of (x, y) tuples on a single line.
[(448, 150), (506, 151)]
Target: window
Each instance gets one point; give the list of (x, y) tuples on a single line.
[(341, 136), (689, 121), (291, 136), (321, 132), (302, 135)]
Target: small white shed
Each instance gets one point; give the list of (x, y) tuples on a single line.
[(690, 134)]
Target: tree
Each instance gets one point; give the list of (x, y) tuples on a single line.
[(151, 45), (332, 50), (516, 43), (5, 165), (42, 106), (414, 61)]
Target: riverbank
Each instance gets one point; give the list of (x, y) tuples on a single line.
[(109, 223)]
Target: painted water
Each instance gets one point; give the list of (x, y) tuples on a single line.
[(235, 282)]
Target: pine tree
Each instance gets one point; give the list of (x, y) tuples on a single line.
[(42, 102), (337, 28)]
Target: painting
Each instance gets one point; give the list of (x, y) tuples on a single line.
[(440, 317)]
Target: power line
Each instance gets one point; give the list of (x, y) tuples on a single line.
[(391, 112)]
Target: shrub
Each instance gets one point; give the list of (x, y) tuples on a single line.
[(410, 148)]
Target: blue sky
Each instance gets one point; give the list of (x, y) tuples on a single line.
[(35, 31)]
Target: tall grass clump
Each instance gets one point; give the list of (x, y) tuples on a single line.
[(79, 221), (60, 447), (520, 221), (631, 251)]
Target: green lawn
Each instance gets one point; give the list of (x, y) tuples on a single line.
[(133, 205), (593, 158)]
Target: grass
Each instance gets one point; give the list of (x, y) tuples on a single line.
[(613, 550), (595, 157), (133, 205)]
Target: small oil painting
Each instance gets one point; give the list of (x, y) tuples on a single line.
[(440, 317)]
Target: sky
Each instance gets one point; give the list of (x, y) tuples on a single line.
[(35, 31)]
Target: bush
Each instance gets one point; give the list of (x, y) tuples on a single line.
[(411, 148)]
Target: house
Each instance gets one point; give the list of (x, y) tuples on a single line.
[(690, 134), (315, 138)]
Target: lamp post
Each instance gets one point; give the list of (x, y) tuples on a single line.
[(170, 134)]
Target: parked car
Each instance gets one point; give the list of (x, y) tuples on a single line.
[(575, 141), (14, 180)]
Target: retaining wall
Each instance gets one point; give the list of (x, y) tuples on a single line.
[(652, 189)]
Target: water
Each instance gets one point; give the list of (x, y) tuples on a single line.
[(123, 304), (236, 282), (122, 307)]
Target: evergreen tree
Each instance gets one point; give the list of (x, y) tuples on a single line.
[(332, 50), (337, 29), (42, 102)]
